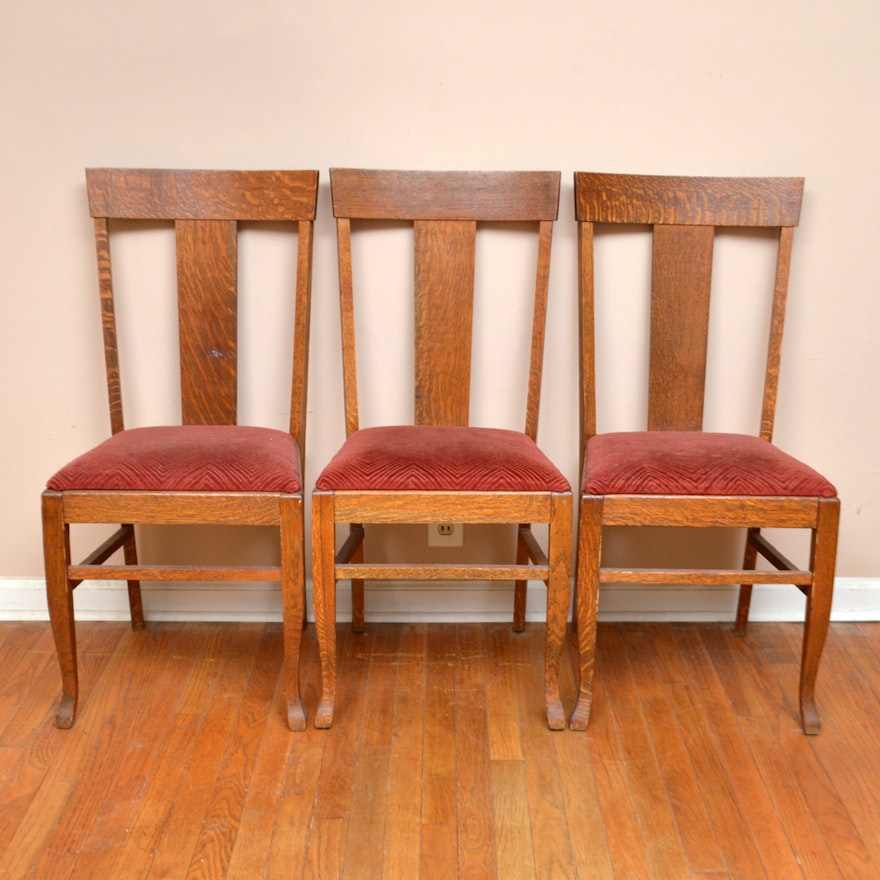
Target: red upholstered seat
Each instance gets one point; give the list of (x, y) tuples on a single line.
[(188, 458), (695, 463), (441, 458)]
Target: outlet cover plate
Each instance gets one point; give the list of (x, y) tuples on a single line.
[(445, 535)]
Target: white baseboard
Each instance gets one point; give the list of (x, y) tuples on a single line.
[(24, 599)]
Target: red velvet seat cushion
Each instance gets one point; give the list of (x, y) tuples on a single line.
[(188, 458), (441, 458), (695, 463)]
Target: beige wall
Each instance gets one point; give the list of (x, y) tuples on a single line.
[(787, 87)]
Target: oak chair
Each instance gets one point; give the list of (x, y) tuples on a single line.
[(675, 473), (440, 469), (209, 469)]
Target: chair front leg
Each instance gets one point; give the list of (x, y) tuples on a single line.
[(59, 595), (324, 592), (292, 603), (587, 604), (823, 556), (558, 599)]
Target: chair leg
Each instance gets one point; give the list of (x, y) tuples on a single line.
[(357, 593), (324, 588), (520, 587), (59, 594), (135, 603), (750, 558), (558, 599), (293, 604), (589, 555), (823, 556)]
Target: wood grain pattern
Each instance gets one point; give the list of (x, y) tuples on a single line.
[(539, 326), (347, 324), (684, 214), (777, 324), (206, 208), (172, 194), (405, 784), (426, 507), (698, 201), (171, 508), (694, 761), (710, 511), (444, 195), (441, 572), (444, 210), (445, 253), (681, 281), (299, 380), (207, 296), (108, 325)]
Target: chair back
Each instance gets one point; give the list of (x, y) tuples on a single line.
[(444, 209), (206, 208), (684, 214)]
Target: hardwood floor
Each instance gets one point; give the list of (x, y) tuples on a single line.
[(439, 763)]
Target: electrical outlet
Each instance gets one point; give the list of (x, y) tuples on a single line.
[(445, 535)]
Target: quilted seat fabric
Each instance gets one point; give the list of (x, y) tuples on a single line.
[(188, 458), (695, 463), (441, 458)]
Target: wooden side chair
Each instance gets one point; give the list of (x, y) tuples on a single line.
[(675, 473), (208, 469), (440, 469)]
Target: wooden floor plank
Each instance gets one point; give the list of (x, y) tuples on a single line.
[(732, 699), (202, 682), (294, 810), (205, 762), (340, 755), (547, 817), (475, 832), (660, 830), (379, 686), (505, 743), (257, 827), (44, 745), (364, 851), (439, 784), (402, 844), (52, 827), (112, 822), (748, 831), (513, 838), (326, 849), (701, 849), (585, 826), (28, 673), (623, 830), (213, 850), (849, 748), (147, 827), (824, 774), (180, 758)]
